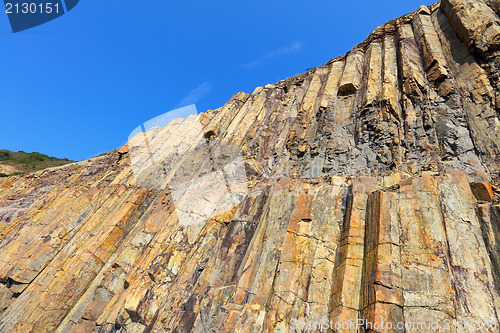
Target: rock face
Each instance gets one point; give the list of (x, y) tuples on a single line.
[(369, 203)]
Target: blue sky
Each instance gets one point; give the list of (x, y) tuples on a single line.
[(77, 86)]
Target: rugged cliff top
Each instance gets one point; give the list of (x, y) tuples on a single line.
[(362, 189)]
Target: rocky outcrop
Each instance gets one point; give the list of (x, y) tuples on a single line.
[(368, 197)]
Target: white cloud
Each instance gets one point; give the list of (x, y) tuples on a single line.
[(195, 95), (293, 48)]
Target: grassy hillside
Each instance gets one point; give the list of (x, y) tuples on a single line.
[(12, 163)]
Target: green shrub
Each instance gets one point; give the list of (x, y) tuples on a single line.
[(35, 157), (3, 175), (5, 156), (29, 162)]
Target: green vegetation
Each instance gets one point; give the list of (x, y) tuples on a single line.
[(5, 156), (28, 162)]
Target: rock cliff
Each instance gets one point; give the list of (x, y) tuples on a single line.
[(369, 198)]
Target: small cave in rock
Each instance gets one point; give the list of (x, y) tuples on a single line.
[(210, 135)]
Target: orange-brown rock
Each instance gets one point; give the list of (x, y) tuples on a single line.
[(482, 191)]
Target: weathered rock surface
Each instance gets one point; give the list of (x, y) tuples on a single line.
[(369, 195)]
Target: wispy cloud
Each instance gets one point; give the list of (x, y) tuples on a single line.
[(196, 94), (293, 48)]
